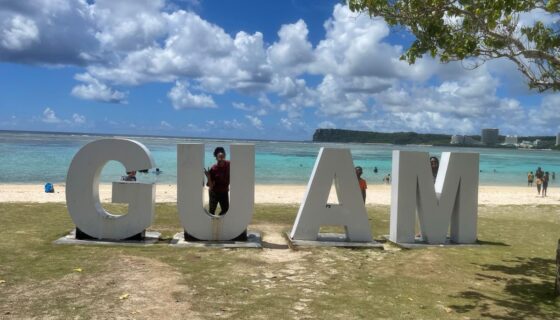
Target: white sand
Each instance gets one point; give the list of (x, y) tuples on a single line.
[(283, 194)]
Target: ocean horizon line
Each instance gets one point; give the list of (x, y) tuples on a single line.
[(123, 135)]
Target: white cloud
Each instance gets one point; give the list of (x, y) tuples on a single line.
[(182, 98), (165, 125), (361, 81), (354, 46), (295, 125), (191, 127), (293, 52), (336, 102), (286, 123), (78, 119), (243, 106), (326, 125), (529, 18), (128, 24), (18, 33), (546, 117), (94, 89), (48, 32), (255, 122), (49, 116), (231, 124)]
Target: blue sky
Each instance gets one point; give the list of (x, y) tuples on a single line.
[(272, 69)]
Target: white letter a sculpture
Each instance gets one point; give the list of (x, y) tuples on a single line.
[(451, 204), (332, 164)]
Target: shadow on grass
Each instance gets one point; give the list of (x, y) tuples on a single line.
[(528, 291), (492, 243)]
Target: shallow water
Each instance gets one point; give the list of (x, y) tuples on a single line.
[(39, 157)]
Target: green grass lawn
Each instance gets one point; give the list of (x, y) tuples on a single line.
[(510, 276)]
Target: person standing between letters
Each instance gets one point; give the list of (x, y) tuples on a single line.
[(362, 182), (218, 182), (434, 164)]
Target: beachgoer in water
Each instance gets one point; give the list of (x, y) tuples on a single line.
[(434, 164), (553, 175), (158, 172), (362, 182), (218, 182), (375, 170), (546, 177), (130, 176), (530, 178)]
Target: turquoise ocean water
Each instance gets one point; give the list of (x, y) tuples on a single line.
[(39, 158)]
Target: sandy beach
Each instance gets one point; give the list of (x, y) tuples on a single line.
[(284, 194)]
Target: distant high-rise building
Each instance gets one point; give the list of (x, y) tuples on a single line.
[(558, 139), (511, 140), (490, 136)]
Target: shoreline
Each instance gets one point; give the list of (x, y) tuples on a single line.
[(283, 194)]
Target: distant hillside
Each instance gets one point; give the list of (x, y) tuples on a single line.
[(341, 135)]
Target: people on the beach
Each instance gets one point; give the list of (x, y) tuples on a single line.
[(434, 164), (539, 179), (218, 182), (530, 178), (387, 179), (546, 177), (49, 187), (362, 182), (130, 176), (553, 175), (539, 173)]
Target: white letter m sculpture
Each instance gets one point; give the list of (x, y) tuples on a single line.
[(451, 204)]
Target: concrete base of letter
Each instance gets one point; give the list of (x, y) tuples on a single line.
[(254, 240), (332, 240), (150, 238), (419, 243)]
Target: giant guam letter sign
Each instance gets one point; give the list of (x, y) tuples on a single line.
[(453, 200), (82, 190), (190, 174), (332, 164)]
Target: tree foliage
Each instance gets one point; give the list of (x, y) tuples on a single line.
[(341, 135), (477, 31)]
